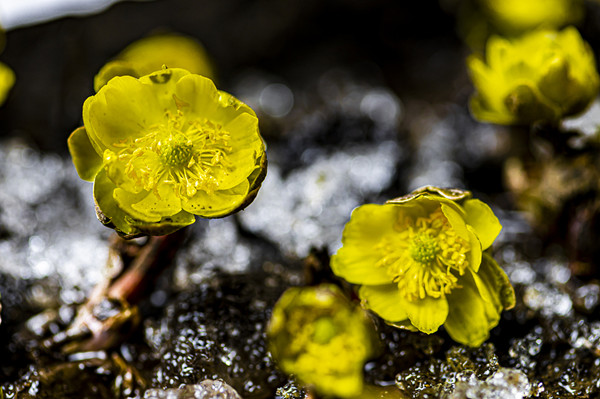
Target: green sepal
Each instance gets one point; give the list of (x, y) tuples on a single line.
[(85, 158)]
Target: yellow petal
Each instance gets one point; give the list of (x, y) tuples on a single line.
[(122, 109), (111, 70), (85, 158), (108, 211), (475, 252), (427, 314), (486, 224), (356, 260), (218, 204), (457, 221), (385, 300), (470, 317), (493, 284)]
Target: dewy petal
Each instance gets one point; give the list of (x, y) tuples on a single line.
[(486, 224), (163, 85), (427, 314), (85, 158), (470, 318), (356, 260), (121, 110), (218, 204), (385, 300)]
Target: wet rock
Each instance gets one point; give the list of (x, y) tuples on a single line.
[(504, 383), (435, 377), (217, 331), (207, 389)]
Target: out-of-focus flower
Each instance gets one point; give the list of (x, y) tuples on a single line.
[(519, 16), (165, 147), (7, 76), (149, 54), (316, 334), (420, 264), (7, 80), (541, 77)]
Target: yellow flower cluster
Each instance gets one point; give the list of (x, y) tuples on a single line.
[(419, 260)]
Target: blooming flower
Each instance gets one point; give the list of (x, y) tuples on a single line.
[(165, 147), (518, 16), (543, 76), (316, 334), (149, 54), (419, 260)]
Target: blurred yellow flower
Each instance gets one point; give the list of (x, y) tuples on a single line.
[(519, 16), (149, 54), (7, 80), (420, 264), (541, 77), (317, 335), (165, 147), (7, 76)]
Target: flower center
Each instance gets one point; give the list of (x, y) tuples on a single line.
[(425, 256), (188, 154), (424, 248), (176, 151)]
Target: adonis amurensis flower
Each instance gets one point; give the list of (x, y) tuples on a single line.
[(421, 263), (165, 147), (317, 335), (542, 76)]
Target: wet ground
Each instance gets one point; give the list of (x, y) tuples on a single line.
[(358, 102)]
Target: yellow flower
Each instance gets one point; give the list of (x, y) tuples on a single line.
[(543, 76), (316, 334), (518, 16), (165, 147), (7, 80), (149, 54), (7, 76), (420, 263)]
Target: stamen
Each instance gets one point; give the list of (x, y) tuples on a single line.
[(424, 255), (193, 154)]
